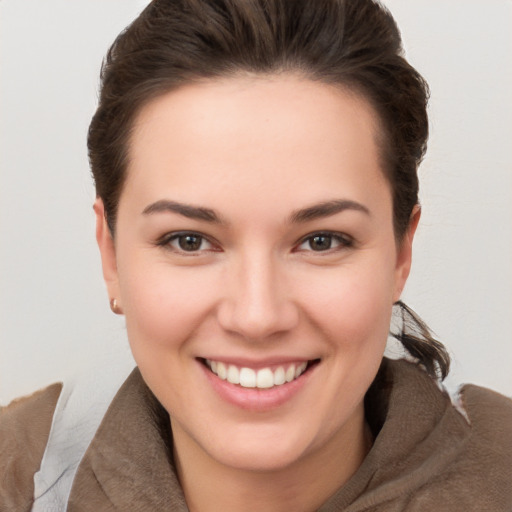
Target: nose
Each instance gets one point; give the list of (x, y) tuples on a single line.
[(257, 304)]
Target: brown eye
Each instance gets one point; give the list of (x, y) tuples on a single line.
[(322, 242), (186, 242), (190, 242)]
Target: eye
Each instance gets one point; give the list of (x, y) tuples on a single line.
[(322, 242), (186, 242)]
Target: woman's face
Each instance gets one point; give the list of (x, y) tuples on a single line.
[(256, 264)]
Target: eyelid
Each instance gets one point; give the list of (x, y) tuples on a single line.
[(165, 242), (345, 241)]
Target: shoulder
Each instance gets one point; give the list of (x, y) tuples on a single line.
[(488, 411), (465, 448), (490, 417), (24, 429), (482, 471)]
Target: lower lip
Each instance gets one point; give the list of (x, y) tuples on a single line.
[(256, 399)]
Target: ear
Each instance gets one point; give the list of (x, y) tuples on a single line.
[(108, 254), (404, 256)]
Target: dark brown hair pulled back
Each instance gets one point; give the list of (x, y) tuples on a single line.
[(353, 44)]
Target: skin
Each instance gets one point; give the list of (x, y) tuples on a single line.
[(256, 150)]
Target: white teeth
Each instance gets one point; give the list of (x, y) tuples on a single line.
[(233, 375), (263, 379), (279, 376), (222, 371), (290, 373), (300, 369), (247, 378)]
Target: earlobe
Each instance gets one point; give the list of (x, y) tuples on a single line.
[(404, 256), (107, 251)]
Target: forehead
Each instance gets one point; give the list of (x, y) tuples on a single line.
[(240, 134)]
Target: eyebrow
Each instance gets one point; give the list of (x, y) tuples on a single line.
[(316, 211), (189, 211), (326, 209)]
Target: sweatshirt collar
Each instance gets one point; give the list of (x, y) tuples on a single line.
[(420, 434), (129, 464)]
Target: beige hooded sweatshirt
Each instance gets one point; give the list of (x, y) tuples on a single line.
[(427, 455)]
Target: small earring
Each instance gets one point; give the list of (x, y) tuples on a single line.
[(114, 306)]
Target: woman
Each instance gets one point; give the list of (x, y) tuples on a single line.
[(255, 166)]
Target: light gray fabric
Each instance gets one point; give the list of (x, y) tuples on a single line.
[(79, 411)]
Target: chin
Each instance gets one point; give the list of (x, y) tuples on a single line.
[(259, 459), (261, 449)]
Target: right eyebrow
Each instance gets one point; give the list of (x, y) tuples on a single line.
[(187, 210), (326, 209)]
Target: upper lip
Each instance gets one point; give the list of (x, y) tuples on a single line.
[(259, 363)]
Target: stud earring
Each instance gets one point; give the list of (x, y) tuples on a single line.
[(114, 306)]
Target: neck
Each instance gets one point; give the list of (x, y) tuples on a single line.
[(210, 486)]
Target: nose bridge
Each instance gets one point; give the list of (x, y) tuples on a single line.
[(257, 302)]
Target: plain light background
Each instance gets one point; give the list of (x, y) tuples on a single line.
[(54, 314)]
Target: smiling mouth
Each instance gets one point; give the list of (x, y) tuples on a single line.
[(263, 378)]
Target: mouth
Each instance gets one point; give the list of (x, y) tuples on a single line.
[(262, 378)]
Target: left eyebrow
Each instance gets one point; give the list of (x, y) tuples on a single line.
[(326, 209), (187, 210)]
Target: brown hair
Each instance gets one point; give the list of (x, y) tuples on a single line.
[(350, 43)]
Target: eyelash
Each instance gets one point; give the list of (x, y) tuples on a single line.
[(343, 242), (166, 242)]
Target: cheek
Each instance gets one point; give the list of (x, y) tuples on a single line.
[(163, 305), (353, 304)]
